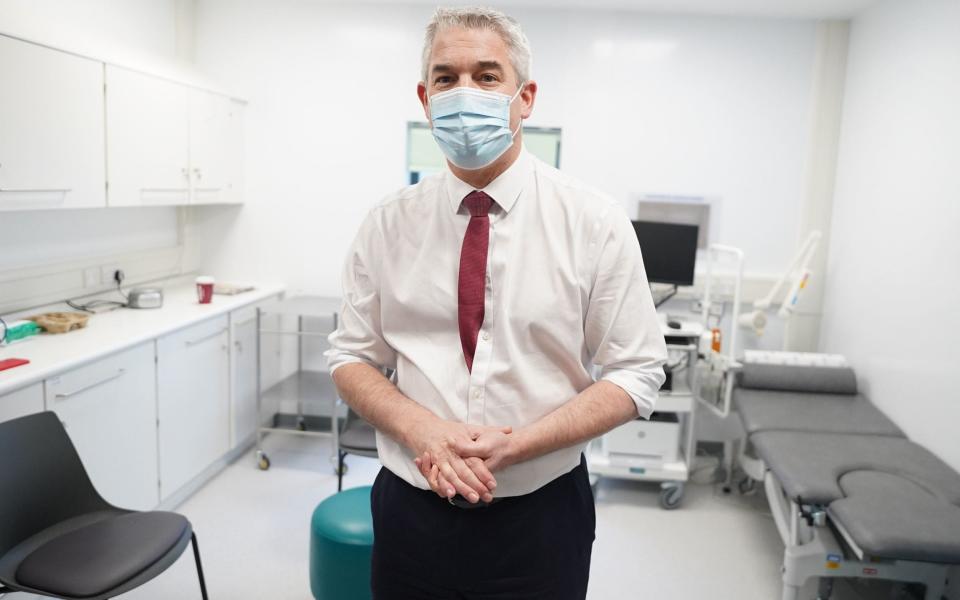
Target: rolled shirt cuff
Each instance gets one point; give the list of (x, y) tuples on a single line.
[(643, 388)]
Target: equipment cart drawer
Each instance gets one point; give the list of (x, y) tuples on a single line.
[(656, 439)]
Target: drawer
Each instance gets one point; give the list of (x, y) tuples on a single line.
[(657, 439), (196, 334)]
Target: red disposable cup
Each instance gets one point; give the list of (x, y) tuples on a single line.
[(204, 290)]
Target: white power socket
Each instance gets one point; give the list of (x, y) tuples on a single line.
[(91, 277), (107, 271)]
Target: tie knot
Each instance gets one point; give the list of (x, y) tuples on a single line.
[(478, 203)]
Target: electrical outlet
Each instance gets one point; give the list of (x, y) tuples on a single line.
[(91, 277), (107, 271)]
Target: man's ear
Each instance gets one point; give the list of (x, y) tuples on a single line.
[(424, 100), (529, 97)]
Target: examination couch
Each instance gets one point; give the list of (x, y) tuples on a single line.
[(850, 494)]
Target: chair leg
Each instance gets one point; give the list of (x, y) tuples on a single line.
[(196, 558), (339, 470)]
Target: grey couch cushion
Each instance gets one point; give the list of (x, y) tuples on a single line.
[(97, 558), (810, 465), (793, 378), (764, 410), (892, 517)]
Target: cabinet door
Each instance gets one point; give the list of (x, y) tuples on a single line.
[(109, 410), (51, 129), (194, 401), (215, 141), (243, 364), (147, 140), (23, 402)]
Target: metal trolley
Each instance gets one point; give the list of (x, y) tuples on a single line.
[(604, 461), (305, 386)]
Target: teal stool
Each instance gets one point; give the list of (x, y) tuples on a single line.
[(341, 539)]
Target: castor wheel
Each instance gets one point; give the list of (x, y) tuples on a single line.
[(747, 486), (302, 425), (342, 471), (263, 461), (671, 495)]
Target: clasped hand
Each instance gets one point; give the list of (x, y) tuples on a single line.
[(457, 458)]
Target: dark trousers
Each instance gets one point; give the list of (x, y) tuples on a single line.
[(532, 547)]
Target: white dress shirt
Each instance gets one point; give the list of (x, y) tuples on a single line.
[(565, 288)]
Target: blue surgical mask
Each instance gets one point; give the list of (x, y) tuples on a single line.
[(472, 126)]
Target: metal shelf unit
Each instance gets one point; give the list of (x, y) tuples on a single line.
[(303, 386)]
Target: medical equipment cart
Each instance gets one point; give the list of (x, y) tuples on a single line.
[(304, 386), (611, 454)]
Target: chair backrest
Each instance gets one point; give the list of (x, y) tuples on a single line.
[(351, 417), (42, 481)]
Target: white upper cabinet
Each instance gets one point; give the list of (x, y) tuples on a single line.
[(148, 140), (51, 129), (215, 141), (170, 144)]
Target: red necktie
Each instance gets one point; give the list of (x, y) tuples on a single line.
[(473, 271)]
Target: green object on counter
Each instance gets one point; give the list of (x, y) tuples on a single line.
[(18, 330)]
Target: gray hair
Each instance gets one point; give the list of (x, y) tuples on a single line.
[(478, 17)]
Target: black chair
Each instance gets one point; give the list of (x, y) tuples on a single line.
[(356, 437), (59, 537)]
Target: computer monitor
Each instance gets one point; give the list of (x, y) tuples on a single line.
[(669, 251)]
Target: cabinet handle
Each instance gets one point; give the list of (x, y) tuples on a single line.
[(65, 395), (204, 338), (37, 190), (238, 346), (198, 173)]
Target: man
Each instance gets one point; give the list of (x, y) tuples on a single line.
[(490, 290)]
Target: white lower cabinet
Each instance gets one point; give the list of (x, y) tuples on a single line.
[(109, 410), (243, 367), (22, 402), (193, 384)]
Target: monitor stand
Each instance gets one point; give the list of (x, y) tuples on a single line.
[(670, 293)]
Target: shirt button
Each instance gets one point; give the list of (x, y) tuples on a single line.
[(485, 336), (477, 394)]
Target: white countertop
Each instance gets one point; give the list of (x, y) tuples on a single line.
[(110, 332)]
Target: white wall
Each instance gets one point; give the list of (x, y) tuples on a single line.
[(132, 29), (893, 279), (715, 107)]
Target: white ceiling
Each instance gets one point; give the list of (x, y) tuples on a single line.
[(800, 9)]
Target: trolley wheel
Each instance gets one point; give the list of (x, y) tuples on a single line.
[(302, 425), (671, 495), (747, 486), (337, 471), (263, 461)]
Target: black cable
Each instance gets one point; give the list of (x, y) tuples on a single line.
[(89, 306), (119, 289)]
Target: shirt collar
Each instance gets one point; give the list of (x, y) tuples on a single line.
[(505, 189)]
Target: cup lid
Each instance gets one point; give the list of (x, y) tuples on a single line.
[(205, 279)]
